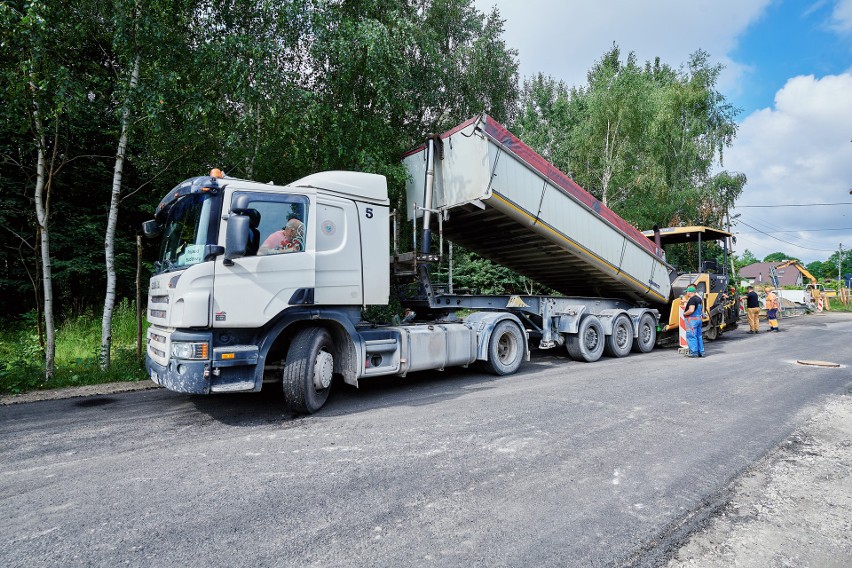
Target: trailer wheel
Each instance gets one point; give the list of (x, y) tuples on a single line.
[(505, 349), (588, 343), (621, 341), (308, 371), (646, 334)]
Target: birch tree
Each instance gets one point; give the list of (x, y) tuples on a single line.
[(42, 205), (146, 33), (38, 86), (608, 138), (115, 197)]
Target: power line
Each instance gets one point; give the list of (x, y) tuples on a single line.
[(792, 205), (782, 240), (765, 225), (809, 230)]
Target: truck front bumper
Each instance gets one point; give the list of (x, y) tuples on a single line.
[(180, 376)]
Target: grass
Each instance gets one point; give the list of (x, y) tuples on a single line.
[(837, 305), (78, 342)]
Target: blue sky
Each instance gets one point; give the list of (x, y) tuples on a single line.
[(788, 39), (788, 67)]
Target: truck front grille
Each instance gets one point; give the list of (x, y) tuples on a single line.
[(158, 346)]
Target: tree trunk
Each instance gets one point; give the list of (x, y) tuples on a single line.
[(42, 211), (138, 296), (109, 240)]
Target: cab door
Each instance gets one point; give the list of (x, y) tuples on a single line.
[(279, 269)]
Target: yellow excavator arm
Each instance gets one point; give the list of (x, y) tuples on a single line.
[(798, 266)]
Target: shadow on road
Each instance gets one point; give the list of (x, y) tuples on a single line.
[(416, 389)]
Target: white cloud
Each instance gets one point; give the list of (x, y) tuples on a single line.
[(841, 16), (798, 152), (564, 39)]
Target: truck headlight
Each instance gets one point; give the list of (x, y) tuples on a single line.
[(190, 350)]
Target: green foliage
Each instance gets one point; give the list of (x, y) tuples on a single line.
[(817, 268), (642, 139), (778, 257), (746, 259), (269, 91), (21, 359), (836, 261), (476, 275)]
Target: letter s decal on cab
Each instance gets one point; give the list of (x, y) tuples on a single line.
[(368, 212)]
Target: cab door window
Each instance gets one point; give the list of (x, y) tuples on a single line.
[(278, 223)]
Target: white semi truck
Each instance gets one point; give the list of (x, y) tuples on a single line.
[(263, 283)]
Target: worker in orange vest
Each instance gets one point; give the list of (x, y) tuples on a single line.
[(772, 310)]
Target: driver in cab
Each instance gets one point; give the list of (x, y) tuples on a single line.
[(289, 239)]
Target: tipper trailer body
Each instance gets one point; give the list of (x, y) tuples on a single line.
[(508, 204)]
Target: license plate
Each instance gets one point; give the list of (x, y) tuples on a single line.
[(154, 377)]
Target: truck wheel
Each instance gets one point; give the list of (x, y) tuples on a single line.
[(646, 334), (505, 349), (308, 371), (588, 343), (621, 341)]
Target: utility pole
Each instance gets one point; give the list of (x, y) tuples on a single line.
[(839, 265), (733, 240)]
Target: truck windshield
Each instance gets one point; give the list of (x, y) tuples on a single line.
[(186, 231)]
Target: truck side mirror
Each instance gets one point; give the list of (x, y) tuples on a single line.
[(236, 237), (151, 229)]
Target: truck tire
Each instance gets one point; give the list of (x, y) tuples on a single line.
[(505, 349), (588, 343), (646, 334), (308, 371), (620, 342)]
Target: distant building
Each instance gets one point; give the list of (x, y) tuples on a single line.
[(758, 274)]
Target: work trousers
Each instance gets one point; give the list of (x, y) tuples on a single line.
[(772, 316), (753, 318), (694, 339)]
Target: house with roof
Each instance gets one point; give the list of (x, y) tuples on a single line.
[(758, 274)]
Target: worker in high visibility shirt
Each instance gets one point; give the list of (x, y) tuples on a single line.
[(772, 310)]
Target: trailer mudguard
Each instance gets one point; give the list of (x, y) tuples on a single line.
[(483, 324)]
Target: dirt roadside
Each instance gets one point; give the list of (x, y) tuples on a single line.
[(791, 509), (75, 392)]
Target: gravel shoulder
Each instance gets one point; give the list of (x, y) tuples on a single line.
[(76, 392), (793, 508)]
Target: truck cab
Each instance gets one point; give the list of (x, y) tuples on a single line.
[(231, 271)]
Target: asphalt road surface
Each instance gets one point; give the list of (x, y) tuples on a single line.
[(564, 464)]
